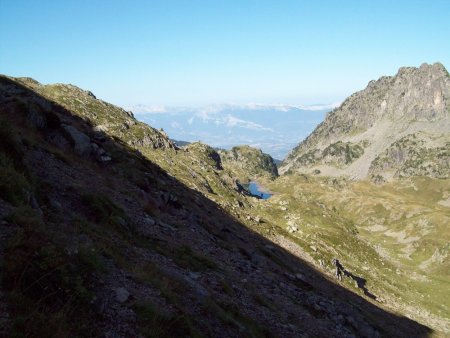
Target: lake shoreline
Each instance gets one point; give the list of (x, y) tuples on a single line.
[(256, 189)]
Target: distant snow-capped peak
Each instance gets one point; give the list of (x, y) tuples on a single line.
[(218, 108)]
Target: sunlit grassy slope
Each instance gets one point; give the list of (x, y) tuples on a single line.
[(395, 236)]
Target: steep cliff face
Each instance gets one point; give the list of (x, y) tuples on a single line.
[(354, 140)]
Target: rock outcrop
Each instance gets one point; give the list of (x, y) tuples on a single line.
[(81, 142), (205, 154), (249, 162)]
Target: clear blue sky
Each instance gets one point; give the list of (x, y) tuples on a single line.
[(197, 52)]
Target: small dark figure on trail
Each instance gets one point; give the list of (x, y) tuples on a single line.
[(339, 268), (360, 282)]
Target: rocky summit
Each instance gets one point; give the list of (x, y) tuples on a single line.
[(109, 229), (396, 127)]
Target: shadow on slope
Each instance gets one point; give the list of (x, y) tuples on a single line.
[(100, 247)]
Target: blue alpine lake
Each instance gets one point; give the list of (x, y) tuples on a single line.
[(257, 190)]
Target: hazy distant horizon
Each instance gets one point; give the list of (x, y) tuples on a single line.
[(275, 129)]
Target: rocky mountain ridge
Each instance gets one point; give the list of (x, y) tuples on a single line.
[(103, 116), (368, 126)]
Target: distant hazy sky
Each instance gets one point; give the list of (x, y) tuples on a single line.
[(198, 52)]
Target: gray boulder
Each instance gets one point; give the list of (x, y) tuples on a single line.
[(82, 142), (122, 295), (36, 117)]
